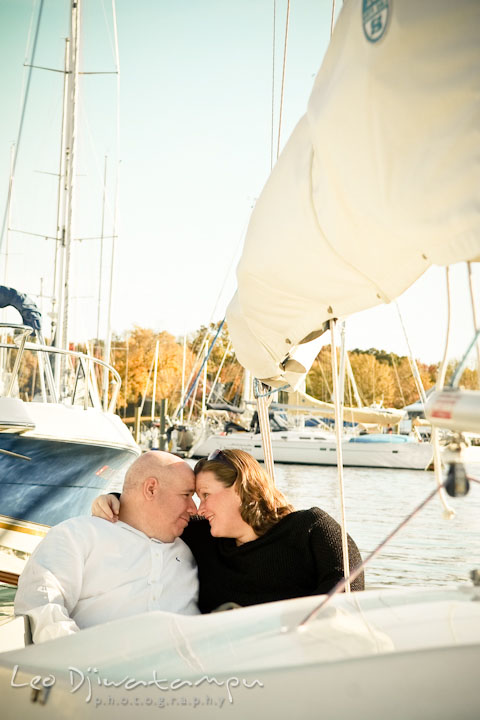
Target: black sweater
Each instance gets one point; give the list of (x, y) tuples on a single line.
[(300, 555)]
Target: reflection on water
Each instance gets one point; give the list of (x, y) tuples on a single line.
[(429, 550)]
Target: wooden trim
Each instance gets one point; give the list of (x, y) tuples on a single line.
[(9, 578), (16, 527)]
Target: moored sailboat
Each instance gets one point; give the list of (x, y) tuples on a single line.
[(403, 654), (60, 440), (56, 453)]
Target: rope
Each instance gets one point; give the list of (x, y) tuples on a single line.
[(263, 401), (338, 433)]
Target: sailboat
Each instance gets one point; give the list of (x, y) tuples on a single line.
[(56, 453), (317, 444), (379, 180), (60, 440), (314, 444)]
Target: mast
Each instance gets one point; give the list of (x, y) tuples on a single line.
[(102, 233), (9, 212), (183, 374), (155, 372), (70, 99)]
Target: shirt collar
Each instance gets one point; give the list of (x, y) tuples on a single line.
[(124, 526)]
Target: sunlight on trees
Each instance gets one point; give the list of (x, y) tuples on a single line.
[(382, 378)]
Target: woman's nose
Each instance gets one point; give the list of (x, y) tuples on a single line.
[(201, 508)]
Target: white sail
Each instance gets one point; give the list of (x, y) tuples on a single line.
[(378, 181)]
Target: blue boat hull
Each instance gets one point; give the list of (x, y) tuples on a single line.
[(59, 481)]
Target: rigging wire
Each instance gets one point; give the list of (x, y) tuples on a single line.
[(210, 322), (449, 512), (116, 199), (437, 463), (205, 360), (212, 389), (413, 363), (146, 385), (273, 82), (113, 41), (182, 403), (325, 380), (474, 317), (283, 78), (22, 120), (457, 375), (398, 379), (355, 573), (332, 21)]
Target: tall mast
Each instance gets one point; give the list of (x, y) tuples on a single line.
[(71, 96)]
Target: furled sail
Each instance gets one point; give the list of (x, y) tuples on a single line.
[(382, 417), (379, 181)]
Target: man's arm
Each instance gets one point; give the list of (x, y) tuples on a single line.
[(50, 585)]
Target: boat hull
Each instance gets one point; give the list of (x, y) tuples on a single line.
[(378, 654), (53, 468), (310, 449), (59, 480)]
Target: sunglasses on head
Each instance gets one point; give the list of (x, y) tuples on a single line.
[(219, 456)]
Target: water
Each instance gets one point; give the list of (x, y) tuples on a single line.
[(430, 550)]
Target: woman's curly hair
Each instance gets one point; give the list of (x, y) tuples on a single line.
[(262, 504)]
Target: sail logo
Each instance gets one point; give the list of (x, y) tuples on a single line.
[(375, 14)]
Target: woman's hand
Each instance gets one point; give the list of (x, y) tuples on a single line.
[(106, 507)]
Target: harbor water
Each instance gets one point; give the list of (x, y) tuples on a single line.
[(430, 550)]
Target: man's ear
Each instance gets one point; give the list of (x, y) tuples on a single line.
[(150, 487)]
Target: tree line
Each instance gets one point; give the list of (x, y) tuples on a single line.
[(381, 378)]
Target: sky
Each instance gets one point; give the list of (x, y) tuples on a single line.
[(191, 151)]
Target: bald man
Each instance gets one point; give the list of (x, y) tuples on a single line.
[(88, 571)]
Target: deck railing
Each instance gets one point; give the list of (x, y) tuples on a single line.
[(62, 376)]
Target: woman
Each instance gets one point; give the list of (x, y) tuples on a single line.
[(255, 547)]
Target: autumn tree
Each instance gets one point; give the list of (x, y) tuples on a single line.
[(381, 377), (133, 358)]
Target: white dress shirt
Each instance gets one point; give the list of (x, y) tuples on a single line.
[(89, 571)]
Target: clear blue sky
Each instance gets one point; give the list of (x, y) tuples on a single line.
[(195, 132)]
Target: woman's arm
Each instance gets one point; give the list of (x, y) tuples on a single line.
[(326, 545)]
